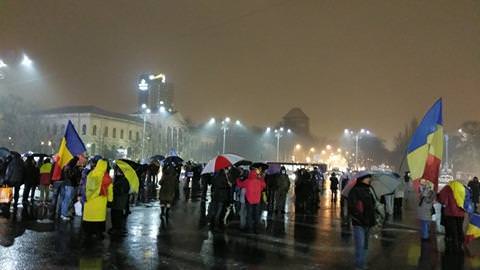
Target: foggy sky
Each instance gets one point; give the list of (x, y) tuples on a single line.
[(348, 64)]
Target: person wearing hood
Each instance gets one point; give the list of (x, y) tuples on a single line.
[(121, 189), (31, 177), (220, 198), (254, 187), (98, 191), (283, 186), (14, 175), (425, 206), (334, 186), (361, 207), (168, 186)]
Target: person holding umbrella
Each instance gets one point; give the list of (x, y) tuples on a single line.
[(168, 185), (361, 206)]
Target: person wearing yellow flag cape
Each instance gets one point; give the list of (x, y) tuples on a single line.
[(125, 181), (98, 191)]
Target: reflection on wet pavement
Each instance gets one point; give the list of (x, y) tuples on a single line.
[(184, 242)]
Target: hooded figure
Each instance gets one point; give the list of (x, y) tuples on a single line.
[(30, 178), (121, 188), (474, 186), (283, 186), (254, 185), (98, 191), (168, 186), (14, 175)]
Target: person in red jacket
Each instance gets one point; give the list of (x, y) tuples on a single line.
[(452, 220), (254, 185)]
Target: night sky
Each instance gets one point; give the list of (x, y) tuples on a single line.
[(348, 64)]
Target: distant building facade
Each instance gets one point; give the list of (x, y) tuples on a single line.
[(104, 133), (155, 92)]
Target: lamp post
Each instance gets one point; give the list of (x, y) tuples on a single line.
[(279, 133), (145, 111), (357, 135), (225, 126)]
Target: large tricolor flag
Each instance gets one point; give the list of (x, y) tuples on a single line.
[(425, 151), (70, 146)]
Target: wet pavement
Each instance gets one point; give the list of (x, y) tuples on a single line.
[(184, 242)]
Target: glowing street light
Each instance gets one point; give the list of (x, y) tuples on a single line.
[(26, 61), (298, 146), (211, 121), (2, 64), (238, 123), (268, 130), (357, 136), (328, 147)]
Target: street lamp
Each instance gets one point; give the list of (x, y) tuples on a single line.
[(357, 135), (225, 126), (279, 133), (146, 111), (26, 61)]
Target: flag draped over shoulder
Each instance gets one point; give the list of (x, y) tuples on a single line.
[(70, 146), (462, 195), (425, 151)]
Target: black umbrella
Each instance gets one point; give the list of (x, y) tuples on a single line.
[(39, 155), (173, 159), (243, 163), (157, 157), (259, 165)]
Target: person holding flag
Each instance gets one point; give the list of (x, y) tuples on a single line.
[(71, 146)]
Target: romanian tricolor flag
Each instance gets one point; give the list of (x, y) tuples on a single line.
[(462, 196), (70, 146), (425, 151), (473, 229)]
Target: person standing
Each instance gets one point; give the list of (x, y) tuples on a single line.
[(361, 207), (334, 186), (453, 216), (168, 186), (283, 186), (254, 187), (474, 186), (425, 206), (121, 188), (398, 200), (71, 176), (98, 191), (30, 179), (220, 197), (45, 180), (14, 175)]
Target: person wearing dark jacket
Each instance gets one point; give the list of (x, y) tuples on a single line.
[(334, 186), (220, 197), (282, 188), (474, 186), (168, 186), (121, 189), (303, 192), (31, 179), (361, 206), (14, 175), (71, 179)]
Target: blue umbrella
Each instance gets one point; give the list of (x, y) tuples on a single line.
[(173, 159), (4, 152)]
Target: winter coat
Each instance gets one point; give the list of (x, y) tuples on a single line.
[(253, 187), (221, 189), (283, 183), (424, 209), (15, 171), (450, 208), (168, 184), (31, 173), (361, 205), (46, 174), (121, 189), (475, 189), (72, 176), (333, 183)]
